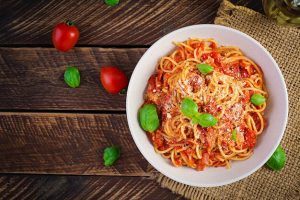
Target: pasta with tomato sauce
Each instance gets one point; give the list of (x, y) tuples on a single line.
[(219, 81)]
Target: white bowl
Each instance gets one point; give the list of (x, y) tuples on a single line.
[(276, 113)]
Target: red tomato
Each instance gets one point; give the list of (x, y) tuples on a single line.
[(211, 107), (113, 79), (151, 83), (244, 73), (250, 137), (178, 162), (203, 161), (158, 140), (216, 56), (232, 70), (189, 151), (213, 45), (65, 36), (204, 56), (200, 165), (247, 95)]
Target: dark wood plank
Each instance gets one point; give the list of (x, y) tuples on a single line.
[(130, 23), (66, 144), (81, 187), (32, 78)]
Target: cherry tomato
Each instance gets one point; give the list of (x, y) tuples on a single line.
[(250, 137), (65, 36), (113, 79), (158, 139), (203, 161), (151, 84)]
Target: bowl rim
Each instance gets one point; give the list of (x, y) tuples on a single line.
[(259, 165)]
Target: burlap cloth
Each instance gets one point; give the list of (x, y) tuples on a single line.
[(284, 45)]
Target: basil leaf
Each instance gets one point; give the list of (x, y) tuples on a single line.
[(257, 99), (72, 77), (205, 68), (206, 120), (111, 2), (195, 118), (188, 107), (277, 160), (233, 136), (148, 117), (111, 154)]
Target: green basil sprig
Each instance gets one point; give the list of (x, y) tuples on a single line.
[(72, 77), (190, 109), (205, 119)]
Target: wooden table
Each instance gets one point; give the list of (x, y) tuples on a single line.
[(52, 136)]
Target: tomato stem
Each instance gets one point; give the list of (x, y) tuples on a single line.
[(70, 23)]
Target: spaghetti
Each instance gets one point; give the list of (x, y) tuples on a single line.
[(224, 93)]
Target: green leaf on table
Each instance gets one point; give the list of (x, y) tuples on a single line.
[(111, 154), (277, 160), (111, 2), (72, 77)]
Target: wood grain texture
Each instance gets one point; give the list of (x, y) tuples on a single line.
[(66, 144), (81, 187), (130, 23), (32, 78)]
